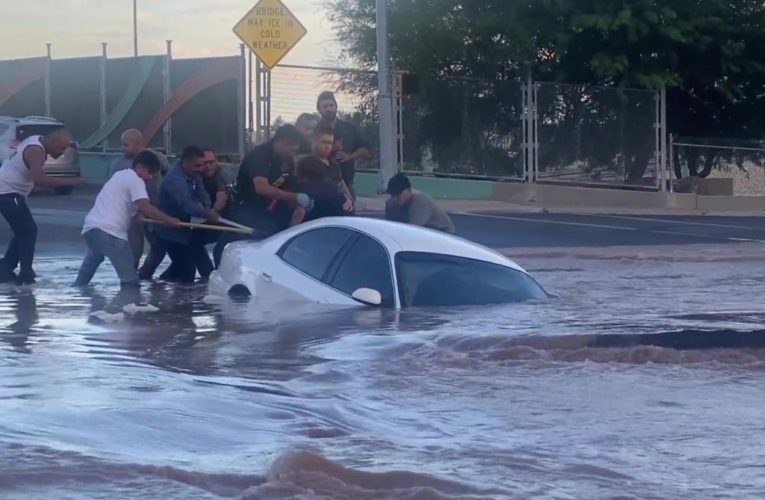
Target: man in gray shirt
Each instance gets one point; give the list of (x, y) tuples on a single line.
[(132, 144), (414, 207)]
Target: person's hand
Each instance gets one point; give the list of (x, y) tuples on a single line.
[(213, 216), (348, 205), (305, 201), (175, 222), (342, 156)]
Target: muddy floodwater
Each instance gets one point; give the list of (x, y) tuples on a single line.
[(642, 379)]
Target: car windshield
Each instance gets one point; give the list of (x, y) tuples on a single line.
[(434, 280)]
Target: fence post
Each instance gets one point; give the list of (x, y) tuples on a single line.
[(524, 132), (105, 142), (241, 101), (398, 110), (671, 163), (530, 130), (258, 102), (262, 101), (250, 110), (167, 129), (657, 135), (268, 102), (535, 127), (384, 95), (663, 118), (47, 82)]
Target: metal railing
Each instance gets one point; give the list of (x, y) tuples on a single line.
[(742, 162)]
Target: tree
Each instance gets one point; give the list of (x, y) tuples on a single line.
[(710, 54)]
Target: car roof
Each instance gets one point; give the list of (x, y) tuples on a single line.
[(410, 238), (30, 120)]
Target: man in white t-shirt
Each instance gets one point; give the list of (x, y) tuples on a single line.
[(107, 224), (18, 176)]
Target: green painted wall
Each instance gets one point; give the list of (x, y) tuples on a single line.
[(95, 167)]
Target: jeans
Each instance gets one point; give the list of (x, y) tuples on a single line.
[(100, 245), (21, 249), (157, 253), (136, 239), (186, 259)]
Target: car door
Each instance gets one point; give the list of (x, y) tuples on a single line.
[(365, 263), (302, 264)]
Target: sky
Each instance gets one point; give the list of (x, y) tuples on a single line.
[(198, 28)]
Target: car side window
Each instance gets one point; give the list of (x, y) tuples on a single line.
[(312, 252), (366, 265)]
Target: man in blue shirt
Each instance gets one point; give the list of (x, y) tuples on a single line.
[(183, 195)]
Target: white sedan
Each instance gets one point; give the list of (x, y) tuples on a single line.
[(349, 261)]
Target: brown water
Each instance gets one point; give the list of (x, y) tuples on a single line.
[(644, 379)]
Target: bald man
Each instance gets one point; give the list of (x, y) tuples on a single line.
[(132, 144), (18, 176)]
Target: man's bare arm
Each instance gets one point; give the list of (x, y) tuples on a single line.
[(221, 198), (151, 212), (34, 158)]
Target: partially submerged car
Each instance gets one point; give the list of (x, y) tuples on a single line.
[(362, 261)]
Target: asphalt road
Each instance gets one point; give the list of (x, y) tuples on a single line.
[(60, 219)]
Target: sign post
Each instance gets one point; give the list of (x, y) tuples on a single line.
[(270, 30)]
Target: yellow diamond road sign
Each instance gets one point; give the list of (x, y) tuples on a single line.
[(270, 30)]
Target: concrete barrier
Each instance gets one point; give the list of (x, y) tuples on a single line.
[(731, 203), (95, 168)]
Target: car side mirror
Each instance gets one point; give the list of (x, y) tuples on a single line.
[(368, 297)]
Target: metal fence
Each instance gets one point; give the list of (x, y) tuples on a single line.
[(742, 163), (495, 129), (175, 102), (464, 128), (503, 128), (291, 91), (595, 135)]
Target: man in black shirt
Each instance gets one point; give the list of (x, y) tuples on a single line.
[(352, 145), (215, 184), (263, 199), (323, 145)]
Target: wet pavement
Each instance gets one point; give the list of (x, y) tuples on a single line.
[(642, 379)]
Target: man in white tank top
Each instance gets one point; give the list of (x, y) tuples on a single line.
[(18, 176)]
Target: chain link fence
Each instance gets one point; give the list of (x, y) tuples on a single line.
[(737, 167), (464, 128), (594, 135), (294, 90)]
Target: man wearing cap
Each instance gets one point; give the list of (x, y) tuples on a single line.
[(352, 144), (414, 207)]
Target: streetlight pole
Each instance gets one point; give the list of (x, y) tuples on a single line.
[(135, 28), (385, 96)]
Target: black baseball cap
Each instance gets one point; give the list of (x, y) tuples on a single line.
[(398, 184)]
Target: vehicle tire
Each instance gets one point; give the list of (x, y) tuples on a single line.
[(64, 190)]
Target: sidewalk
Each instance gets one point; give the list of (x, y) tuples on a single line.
[(377, 204), (87, 192)]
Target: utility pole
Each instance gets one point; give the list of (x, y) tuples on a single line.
[(385, 97), (135, 28)]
